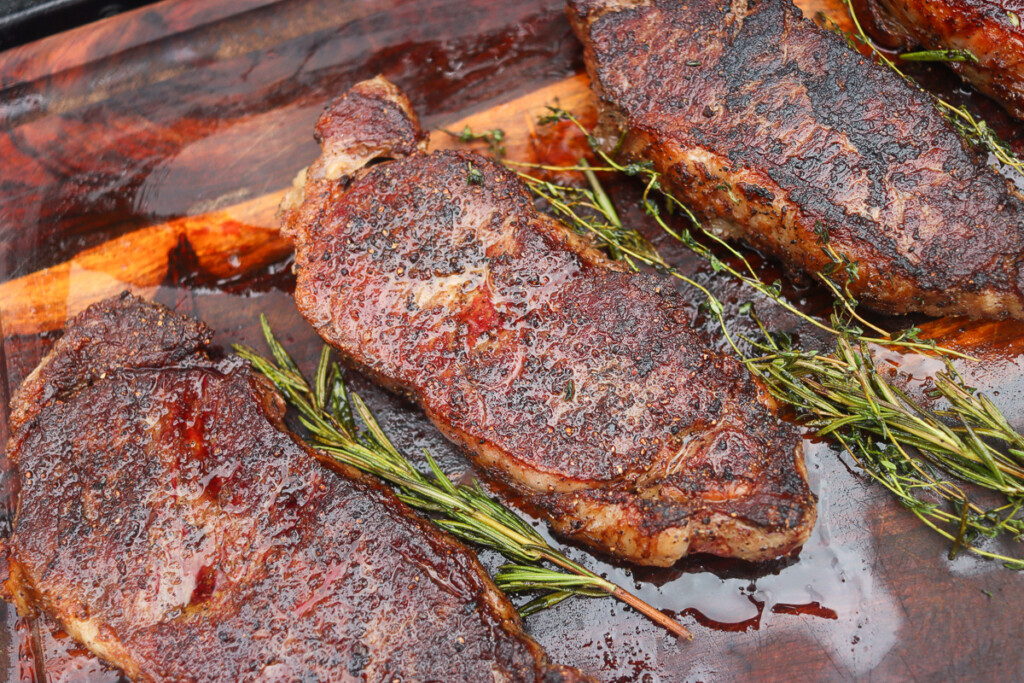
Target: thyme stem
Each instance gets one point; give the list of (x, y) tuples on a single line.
[(975, 131)]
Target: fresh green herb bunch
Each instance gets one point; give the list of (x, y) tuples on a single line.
[(333, 415), (917, 453)]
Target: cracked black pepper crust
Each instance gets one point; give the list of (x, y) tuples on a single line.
[(769, 126), (582, 386)]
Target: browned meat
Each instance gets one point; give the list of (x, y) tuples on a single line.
[(993, 30), (169, 522), (772, 129), (582, 386)]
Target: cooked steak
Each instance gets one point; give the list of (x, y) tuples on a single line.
[(170, 523), (773, 131), (993, 30), (581, 385)]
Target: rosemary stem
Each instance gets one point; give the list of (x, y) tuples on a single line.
[(651, 613)]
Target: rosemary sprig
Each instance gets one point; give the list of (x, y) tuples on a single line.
[(329, 412), (845, 397), (903, 445)]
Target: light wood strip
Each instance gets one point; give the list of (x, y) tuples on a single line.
[(228, 242)]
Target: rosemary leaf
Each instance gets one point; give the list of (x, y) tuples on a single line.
[(940, 56)]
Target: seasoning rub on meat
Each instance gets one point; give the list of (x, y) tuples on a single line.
[(581, 385)]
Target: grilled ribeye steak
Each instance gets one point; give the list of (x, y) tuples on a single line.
[(170, 523), (993, 30), (581, 385), (773, 130)]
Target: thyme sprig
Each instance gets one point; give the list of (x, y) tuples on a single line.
[(974, 130), (332, 415), (916, 453), (579, 206), (494, 138)]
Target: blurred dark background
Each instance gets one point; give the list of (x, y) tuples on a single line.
[(22, 21)]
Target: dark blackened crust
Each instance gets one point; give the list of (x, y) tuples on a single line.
[(771, 128), (984, 27), (582, 386), (169, 522)]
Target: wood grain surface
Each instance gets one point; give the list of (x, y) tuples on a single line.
[(149, 152)]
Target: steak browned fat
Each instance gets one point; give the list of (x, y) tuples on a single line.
[(993, 32), (582, 386), (774, 131), (171, 524)]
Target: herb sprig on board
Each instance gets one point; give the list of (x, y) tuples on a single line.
[(333, 416), (973, 129), (494, 138), (923, 456)]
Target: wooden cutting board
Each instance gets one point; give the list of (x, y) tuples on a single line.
[(149, 152)]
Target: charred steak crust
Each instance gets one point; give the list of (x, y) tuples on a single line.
[(771, 128), (170, 522), (987, 28), (582, 386)]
